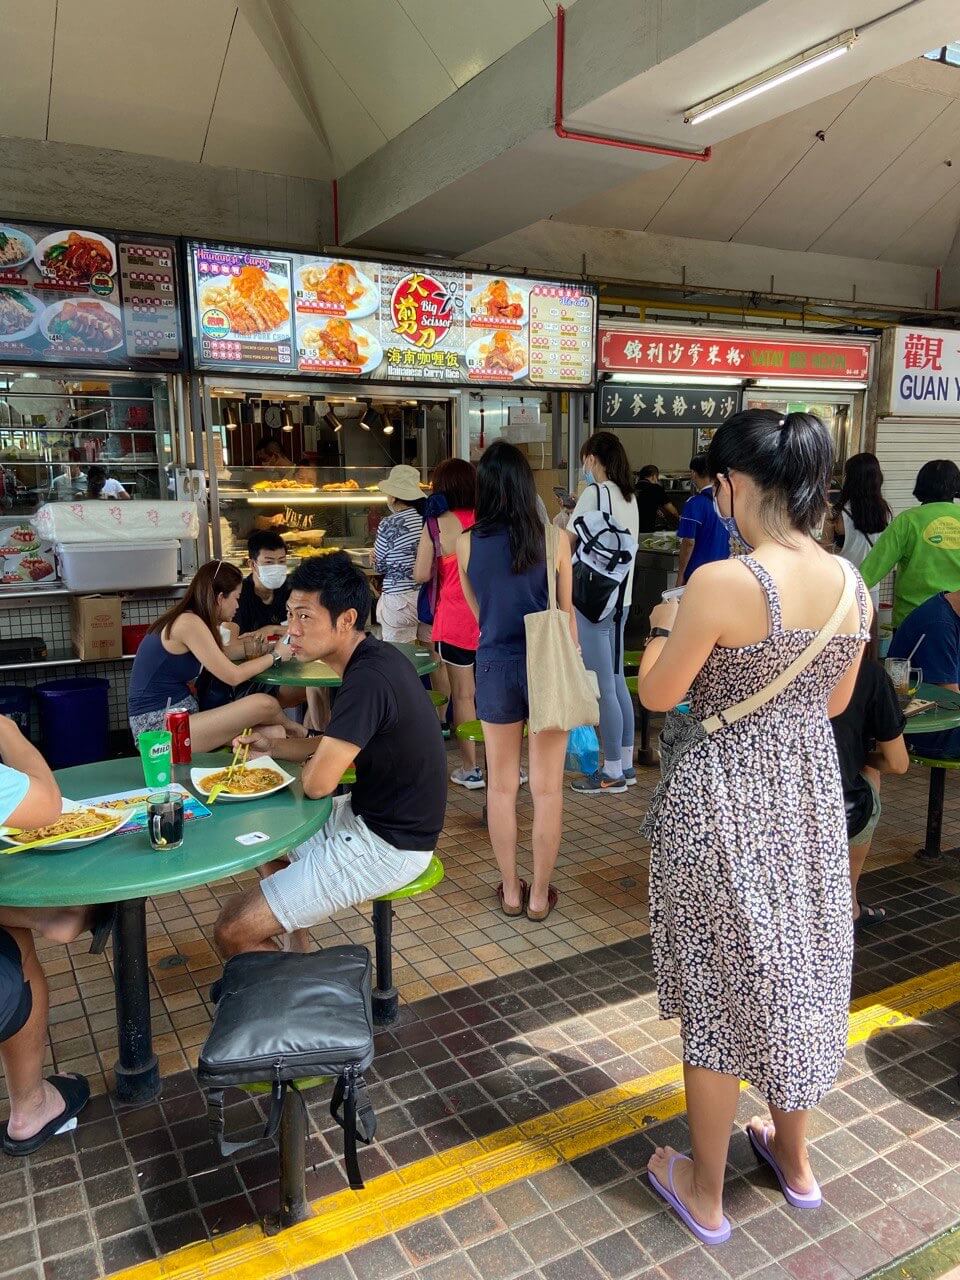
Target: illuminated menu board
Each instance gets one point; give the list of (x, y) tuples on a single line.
[(82, 296), (386, 322)]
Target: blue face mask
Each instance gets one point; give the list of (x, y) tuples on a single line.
[(586, 475), (729, 522)]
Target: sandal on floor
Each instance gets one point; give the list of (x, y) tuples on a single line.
[(552, 897), (868, 916), (101, 927), (75, 1091), (799, 1199), (513, 911), (704, 1234)]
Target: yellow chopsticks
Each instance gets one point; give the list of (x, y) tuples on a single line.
[(240, 757), (70, 835)]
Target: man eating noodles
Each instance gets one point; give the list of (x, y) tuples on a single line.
[(382, 835)]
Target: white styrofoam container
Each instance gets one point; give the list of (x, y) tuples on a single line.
[(112, 566)]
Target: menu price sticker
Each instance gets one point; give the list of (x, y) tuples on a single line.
[(148, 287)]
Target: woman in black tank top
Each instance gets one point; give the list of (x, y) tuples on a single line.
[(185, 641)]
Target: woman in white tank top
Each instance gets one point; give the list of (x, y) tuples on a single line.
[(860, 514)]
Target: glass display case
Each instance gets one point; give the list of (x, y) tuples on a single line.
[(308, 463), (64, 437)]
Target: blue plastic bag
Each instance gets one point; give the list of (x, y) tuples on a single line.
[(583, 750)]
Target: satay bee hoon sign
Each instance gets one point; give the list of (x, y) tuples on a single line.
[(628, 404)]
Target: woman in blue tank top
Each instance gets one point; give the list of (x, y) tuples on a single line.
[(504, 575), (185, 641)]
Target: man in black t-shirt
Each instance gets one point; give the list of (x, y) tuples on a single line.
[(382, 835), (652, 499), (264, 594), (869, 738)]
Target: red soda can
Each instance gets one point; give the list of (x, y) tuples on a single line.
[(178, 725)]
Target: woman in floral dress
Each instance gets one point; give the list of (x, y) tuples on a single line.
[(749, 883)]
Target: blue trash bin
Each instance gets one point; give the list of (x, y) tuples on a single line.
[(16, 702), (74, 721)]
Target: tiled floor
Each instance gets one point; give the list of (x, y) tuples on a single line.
[(503, 1021)]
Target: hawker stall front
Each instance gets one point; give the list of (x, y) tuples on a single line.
[(90, 353), (664, 392), (320, 373)]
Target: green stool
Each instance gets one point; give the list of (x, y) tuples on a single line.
[(632, 684), (932, 850), (386, 1002), (631, 657), (439, 699)]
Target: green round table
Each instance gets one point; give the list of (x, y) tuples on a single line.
[(944, 716), (124, 869), (317, 674)]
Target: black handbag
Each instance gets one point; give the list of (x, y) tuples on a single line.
[(282, 1017)]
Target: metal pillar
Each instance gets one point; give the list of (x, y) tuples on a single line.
[(293, 1206), (137, 1071), (386, 1002)]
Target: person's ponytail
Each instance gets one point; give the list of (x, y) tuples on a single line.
[(789, 457)]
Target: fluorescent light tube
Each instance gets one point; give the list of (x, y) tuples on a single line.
[(772, 78)]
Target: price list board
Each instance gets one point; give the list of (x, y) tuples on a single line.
[(148, 286), (561, 335)]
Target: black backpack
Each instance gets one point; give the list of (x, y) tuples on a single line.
[(282, 1017)]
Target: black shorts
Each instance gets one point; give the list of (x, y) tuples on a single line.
[(16, 1002), (454, 656)]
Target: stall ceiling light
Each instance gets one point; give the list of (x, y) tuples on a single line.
[(772, 78), (674, 379), (792, 384)]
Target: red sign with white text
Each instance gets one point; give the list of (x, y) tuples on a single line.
[(740, 355)]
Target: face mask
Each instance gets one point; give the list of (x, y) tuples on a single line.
[(729, 522), (586, 475), (272, 575)]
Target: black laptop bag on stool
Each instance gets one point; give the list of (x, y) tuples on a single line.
[(283, 1017)]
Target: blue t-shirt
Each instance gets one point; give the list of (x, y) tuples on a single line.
[(699, 521), (938, 657), (14, 785)]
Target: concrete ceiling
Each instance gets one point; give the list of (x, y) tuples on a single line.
[(883, 183), (202, 80)]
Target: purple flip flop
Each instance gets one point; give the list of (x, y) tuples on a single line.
[(703, 1234), (800, 1200)]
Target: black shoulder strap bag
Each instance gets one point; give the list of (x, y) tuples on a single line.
[(283, 1017)]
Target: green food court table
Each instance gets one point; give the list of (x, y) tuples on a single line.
[(939, 719), (315, 674), (124, 869)]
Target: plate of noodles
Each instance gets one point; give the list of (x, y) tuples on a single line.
[(257, 778), (75, 816)]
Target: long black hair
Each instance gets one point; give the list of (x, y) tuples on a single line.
[(507, 497), (789, 458), (861, 494), (609, 450), (214, 579)]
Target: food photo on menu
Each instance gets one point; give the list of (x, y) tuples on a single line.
[(59, 297), (244, 306)]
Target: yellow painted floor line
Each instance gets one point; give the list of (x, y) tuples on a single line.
[(437, 1183)]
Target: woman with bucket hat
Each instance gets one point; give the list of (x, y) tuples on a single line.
[(394, 552)]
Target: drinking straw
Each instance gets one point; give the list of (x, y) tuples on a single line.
[(916, 647)]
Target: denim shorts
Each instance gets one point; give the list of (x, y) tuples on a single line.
[(502, 690), (16, 1001)]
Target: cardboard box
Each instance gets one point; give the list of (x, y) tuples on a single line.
[(95, 627)]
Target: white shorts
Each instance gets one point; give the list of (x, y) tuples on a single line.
[(343, 865), (397, 615)]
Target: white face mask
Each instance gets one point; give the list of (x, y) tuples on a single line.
[(272, 575)]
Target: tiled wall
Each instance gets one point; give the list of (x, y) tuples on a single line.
[(51, 620)]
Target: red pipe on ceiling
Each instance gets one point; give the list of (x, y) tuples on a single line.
[(598, 139)]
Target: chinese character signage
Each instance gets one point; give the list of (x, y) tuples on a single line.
[(922, 372), (386, 322), (742, 355), (70, 296), (624, 404)]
